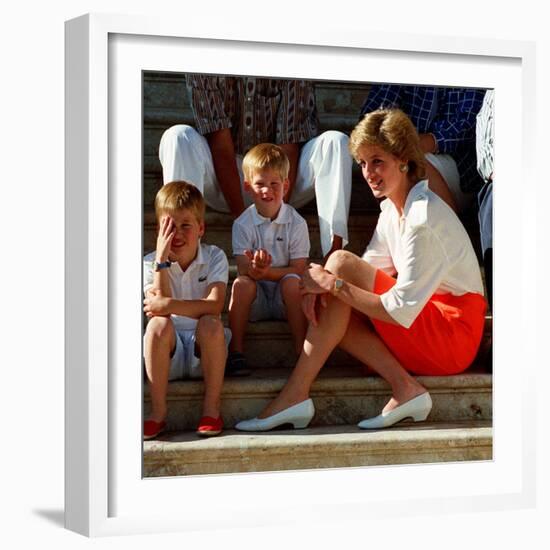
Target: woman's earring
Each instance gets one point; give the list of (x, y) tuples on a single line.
[(404, 168)]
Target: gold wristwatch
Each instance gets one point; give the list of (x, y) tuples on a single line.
[(338, 284)]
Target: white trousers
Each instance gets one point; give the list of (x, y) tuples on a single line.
[(324, 172)]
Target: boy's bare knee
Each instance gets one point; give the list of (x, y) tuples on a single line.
[(160, 328), (244, 286), (209, 328), (290, 289)]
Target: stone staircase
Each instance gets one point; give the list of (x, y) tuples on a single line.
[(458, 428), (325, 447)]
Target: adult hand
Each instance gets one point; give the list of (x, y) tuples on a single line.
[(313, 293), (155, 304), (310, 306), (317, 280)]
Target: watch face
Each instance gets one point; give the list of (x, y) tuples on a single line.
[(338, 284)]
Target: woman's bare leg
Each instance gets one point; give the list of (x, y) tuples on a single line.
[(364, 344), (337, 326), (318, 345), (362, 341), (322, 339)]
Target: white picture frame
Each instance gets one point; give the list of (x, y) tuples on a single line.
[(105, 493)]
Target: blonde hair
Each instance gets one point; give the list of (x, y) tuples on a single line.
[(393, 131), (178, 195), (265, 156)]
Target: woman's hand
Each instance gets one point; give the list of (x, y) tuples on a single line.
[(310, 306), (317, 280), (315, 284)]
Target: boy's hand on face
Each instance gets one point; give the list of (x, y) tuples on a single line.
[(167, 230), (260, 262), (155, 304)]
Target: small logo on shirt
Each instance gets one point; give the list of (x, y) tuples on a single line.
[(202, 279), (280, 239)]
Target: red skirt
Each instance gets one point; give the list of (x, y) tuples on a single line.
[(443, 339)]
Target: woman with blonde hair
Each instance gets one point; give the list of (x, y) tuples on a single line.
[(412, 305)]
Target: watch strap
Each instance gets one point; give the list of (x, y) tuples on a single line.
[(162, 265)]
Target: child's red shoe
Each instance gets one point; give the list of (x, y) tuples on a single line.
[(210, 426), (152, 429)]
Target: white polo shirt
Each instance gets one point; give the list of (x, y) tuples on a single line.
[(429, 250), (209, 266), (285, 238)]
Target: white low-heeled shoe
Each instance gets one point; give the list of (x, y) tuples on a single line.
[(298, 415), (418, 408)]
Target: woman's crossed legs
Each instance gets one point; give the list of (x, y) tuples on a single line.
[(339, 325)]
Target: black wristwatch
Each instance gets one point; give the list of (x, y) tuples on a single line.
[(162, 265)]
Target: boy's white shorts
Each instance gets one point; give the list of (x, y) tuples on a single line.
[(184, 362), (269, 302)]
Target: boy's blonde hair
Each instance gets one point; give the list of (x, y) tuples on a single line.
[(265, 156), (178, 195), (393, 131)]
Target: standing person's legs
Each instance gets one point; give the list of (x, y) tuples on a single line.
[(324, 171), (185, 155)]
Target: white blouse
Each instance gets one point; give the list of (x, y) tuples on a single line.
[(429, 250)]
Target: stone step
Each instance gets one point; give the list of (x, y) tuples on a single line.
[(362, 220), (184, 453), (361, 200), (342, 395), (218, 232), (166, 102), (276, 337)]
